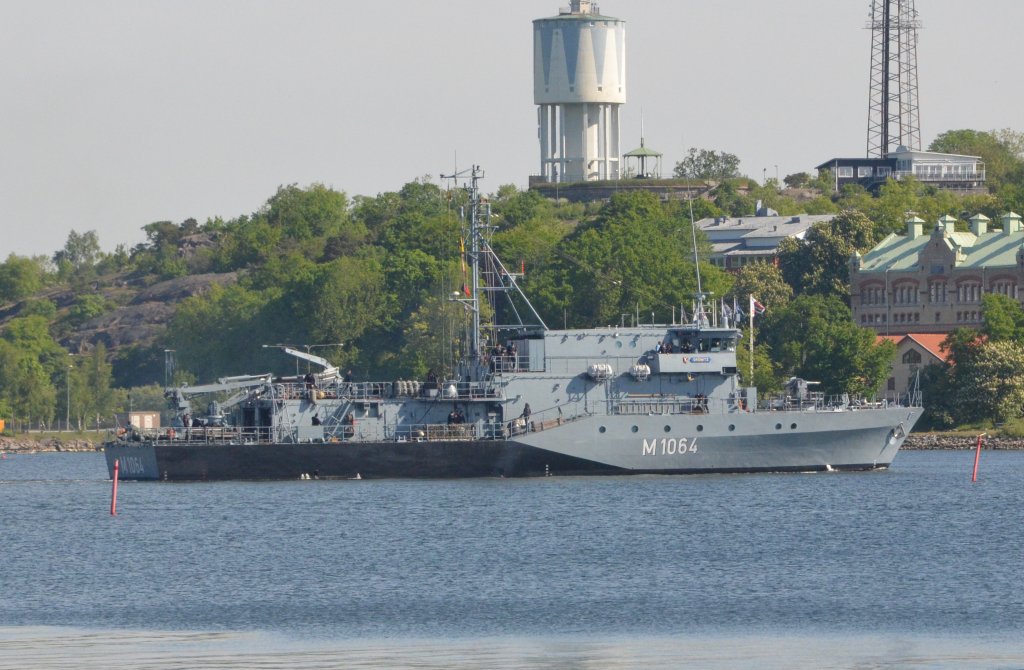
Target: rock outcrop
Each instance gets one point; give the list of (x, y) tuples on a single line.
[(145, 316), (936, 441), (25, 445)]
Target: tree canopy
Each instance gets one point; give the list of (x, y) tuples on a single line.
[(820, 262), (708, 164), (314, 266)]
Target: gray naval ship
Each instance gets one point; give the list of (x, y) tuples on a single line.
[(524, 401)]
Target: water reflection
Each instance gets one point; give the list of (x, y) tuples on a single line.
[(66, 649)]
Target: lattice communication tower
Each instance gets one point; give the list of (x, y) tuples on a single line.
[(893, 117)]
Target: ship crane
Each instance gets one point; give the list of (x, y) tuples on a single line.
[(179, 397), (329, 371)]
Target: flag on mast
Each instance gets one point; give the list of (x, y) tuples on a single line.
[(737, 312), (756, 308)]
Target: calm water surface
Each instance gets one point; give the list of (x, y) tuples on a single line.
[(911, 567)]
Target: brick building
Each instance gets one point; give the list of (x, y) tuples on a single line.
[(933, 283)]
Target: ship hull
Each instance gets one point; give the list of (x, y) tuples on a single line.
[(596, 445)]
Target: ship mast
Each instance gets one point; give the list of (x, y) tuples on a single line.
[(488, 275)]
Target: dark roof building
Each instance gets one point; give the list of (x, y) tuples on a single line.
[(953, 172)]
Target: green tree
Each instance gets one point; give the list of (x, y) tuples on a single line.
[(999, 149), (797, 180), (512, 207), (766, 370), (138, 365), (347, 300), (92, 397), (77, 260), (814, 337), (763, 281), (39, 307), (160, 254), (30, 361), (708, 164), (316, 211), (85, 307), (20, 277), (1003, 318), (27, 393), (636, 256), (990, 382), (731, 201), (941, 405), (220, 332), (435, 336), (819, 263)]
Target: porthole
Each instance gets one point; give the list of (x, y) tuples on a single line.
[(778, 426), (668, 429), (602, 429), (618, 344), (792, 426), (634, 429), (700, 429), (731, 427)]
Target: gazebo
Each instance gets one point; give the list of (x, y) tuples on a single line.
[(643, 163)]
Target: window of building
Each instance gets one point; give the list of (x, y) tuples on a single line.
[(883, 171), (905, 294), (844, 171), (937, 291), (912, 357), (864, 171), (1004, 287), (891, 384), (968, 291)]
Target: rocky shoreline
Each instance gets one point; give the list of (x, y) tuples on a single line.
[(12, 445), (915, 442), (947, 441)]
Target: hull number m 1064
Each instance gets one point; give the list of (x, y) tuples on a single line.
[(667, 446), (132, 465)]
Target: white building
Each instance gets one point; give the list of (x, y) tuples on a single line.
[(739, 241)]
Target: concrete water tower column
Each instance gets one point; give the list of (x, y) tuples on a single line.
[(579, 83)]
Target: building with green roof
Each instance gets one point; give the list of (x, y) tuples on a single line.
[(933, 283)]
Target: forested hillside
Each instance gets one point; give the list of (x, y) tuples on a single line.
[(365, 282)]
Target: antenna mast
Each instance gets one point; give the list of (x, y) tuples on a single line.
[(893, 116), (488, 274)]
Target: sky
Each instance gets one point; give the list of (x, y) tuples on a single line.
[(118, 113)]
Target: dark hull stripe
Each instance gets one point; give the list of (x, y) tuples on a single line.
[(409, 460)]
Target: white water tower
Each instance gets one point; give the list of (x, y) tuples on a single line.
[(579, 83)]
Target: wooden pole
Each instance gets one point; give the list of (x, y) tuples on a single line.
[(113, 493), (977, 457)]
